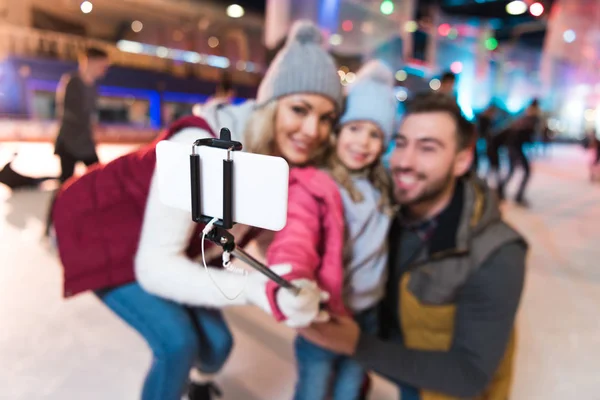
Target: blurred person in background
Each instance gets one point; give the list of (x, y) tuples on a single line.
[(76, 104), (520, 132), (76, 98), (485, 122), (117, 239), (456, 271), (225, 91), (594, 144), (448, 84), (219, 102), (496, 142), (547, 134)]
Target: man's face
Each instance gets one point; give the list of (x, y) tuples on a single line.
[(97, 67), (426, 158)]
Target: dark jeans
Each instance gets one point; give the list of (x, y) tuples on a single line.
[(517, 157), (180, 338), (320, 369)]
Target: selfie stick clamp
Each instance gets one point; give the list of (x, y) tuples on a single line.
[(219, 234)]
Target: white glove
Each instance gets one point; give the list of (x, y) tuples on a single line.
[(256, 287), (302, 309)]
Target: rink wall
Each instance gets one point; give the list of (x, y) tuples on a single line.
[(45, 131)]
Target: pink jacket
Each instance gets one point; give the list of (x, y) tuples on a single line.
[(313, 238)]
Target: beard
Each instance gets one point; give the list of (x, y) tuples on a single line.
[(433, 190)]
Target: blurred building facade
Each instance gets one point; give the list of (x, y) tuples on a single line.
[(421, 40), (169, 54), (166, 55)]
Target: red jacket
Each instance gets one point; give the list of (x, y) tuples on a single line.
[(98, 217), (313, 238)]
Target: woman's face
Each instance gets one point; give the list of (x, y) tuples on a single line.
[(302, 123)]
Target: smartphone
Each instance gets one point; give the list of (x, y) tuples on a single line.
[(260, 183)]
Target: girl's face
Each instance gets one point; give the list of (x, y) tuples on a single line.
[(303, 123), (359, 144)]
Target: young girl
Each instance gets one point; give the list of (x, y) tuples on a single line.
[(336, 233)]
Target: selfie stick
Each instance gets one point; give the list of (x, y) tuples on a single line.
[(219, 234)]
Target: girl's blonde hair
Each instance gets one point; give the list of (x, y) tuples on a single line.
[(375, 173)]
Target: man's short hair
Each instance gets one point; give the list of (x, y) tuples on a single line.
[(429, 102), (94, 53), (448, 76)]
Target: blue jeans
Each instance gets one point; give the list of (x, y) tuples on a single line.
[(180, 338), (321, 372)]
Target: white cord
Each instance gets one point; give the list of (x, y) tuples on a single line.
[(229, 267)]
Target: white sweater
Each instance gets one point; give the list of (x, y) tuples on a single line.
[(161, 265)]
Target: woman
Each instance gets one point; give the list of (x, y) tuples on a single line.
[(117, 239)]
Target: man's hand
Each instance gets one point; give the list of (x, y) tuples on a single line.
[(339, 335)]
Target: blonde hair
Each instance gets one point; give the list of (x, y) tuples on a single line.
[(259, 135), (375, 173), (259, 138)]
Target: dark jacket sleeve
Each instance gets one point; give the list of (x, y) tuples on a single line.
[(70, 97), (485, 316)]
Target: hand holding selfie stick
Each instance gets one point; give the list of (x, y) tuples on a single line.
[(219, 234)]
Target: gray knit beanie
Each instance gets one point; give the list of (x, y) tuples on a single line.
[(301, 66), (371, 98)]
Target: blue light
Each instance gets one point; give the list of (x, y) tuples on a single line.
[(155, 110), (117, 91), (154, 98), (13, 98), (239, 100), (414, 71), (328, 15), (41, 85), (191, 57), (569, 36), (218, 61), (495, 23), (513, 105), (184, 97), (173, 54)]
